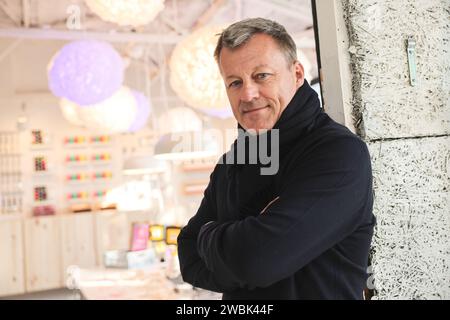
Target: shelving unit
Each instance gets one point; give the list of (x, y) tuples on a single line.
[(11, 192)]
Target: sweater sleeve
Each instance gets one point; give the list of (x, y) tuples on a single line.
[(193, 269), (322, 201)]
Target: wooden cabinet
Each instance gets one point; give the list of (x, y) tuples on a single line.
[(12, 258), (42, 252), (35, 253), (77, 241)]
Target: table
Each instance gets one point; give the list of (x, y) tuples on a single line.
[(136, 284)]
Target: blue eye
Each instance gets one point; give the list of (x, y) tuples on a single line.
[(262, 76), (234, 84)]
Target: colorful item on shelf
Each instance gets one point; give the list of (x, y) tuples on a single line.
[(172, 233), (40, 193), (139, 236), (75, 140), (46, 210), (102, 175), (99, 194), (77, 195), (101, 157), (36, 137), (40, 164), (76, 158), (86, 72), (77, 177), (101, 139), (156, 232)]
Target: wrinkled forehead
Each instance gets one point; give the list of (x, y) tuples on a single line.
[(252, 56)]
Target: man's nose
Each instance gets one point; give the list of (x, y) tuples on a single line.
[(249, 92)]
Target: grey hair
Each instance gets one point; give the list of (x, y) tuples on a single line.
[(241, 32)]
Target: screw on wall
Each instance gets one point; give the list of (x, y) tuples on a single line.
[(73, 22), (411, 49)]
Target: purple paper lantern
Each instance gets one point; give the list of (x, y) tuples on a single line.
[(86, 72), (142, 113)]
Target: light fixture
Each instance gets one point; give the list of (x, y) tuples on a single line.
[(126, 12), (185, 145), (142, 113), (194, 74), (70, 112), (141, 165), (85, 72), (156, 232), (115, 114), (179, 119), (172, 233)]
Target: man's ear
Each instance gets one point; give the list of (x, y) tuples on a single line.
[(299, 74)]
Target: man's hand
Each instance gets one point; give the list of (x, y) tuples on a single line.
[(265, 208)]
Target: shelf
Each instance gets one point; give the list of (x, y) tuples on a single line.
[(10, 154), (198, 167), (42, 147), (5, 217), (75, 146), (101, 163), (195, 188), (43, 202), (44, 174)]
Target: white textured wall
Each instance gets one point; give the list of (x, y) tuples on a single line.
[(411, 247), (389, 106), (407, 129)]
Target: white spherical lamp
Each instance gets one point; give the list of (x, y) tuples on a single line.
[(194, 74), (115, 114), (126, 12)]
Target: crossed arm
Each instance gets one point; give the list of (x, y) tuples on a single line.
[(315, 210)]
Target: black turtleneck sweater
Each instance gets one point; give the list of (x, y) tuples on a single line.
[(312, 242)]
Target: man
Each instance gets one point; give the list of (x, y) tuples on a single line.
[(303, 232)]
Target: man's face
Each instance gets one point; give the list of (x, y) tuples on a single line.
[(259, 81)]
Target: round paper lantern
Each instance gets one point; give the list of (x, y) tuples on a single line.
[(126, 12), (115, 114), (142, 113), (179, 119), (194, 75), (70, 113), (85, 72)]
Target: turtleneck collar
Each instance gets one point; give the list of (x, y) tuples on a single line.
[(297, 118), (295, 121)]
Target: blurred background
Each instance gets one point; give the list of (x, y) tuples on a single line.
[(93, 190)]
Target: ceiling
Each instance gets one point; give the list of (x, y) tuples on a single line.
[(178, 16), (31, 31)]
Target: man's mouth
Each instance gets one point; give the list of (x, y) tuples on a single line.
[(254, 110)]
